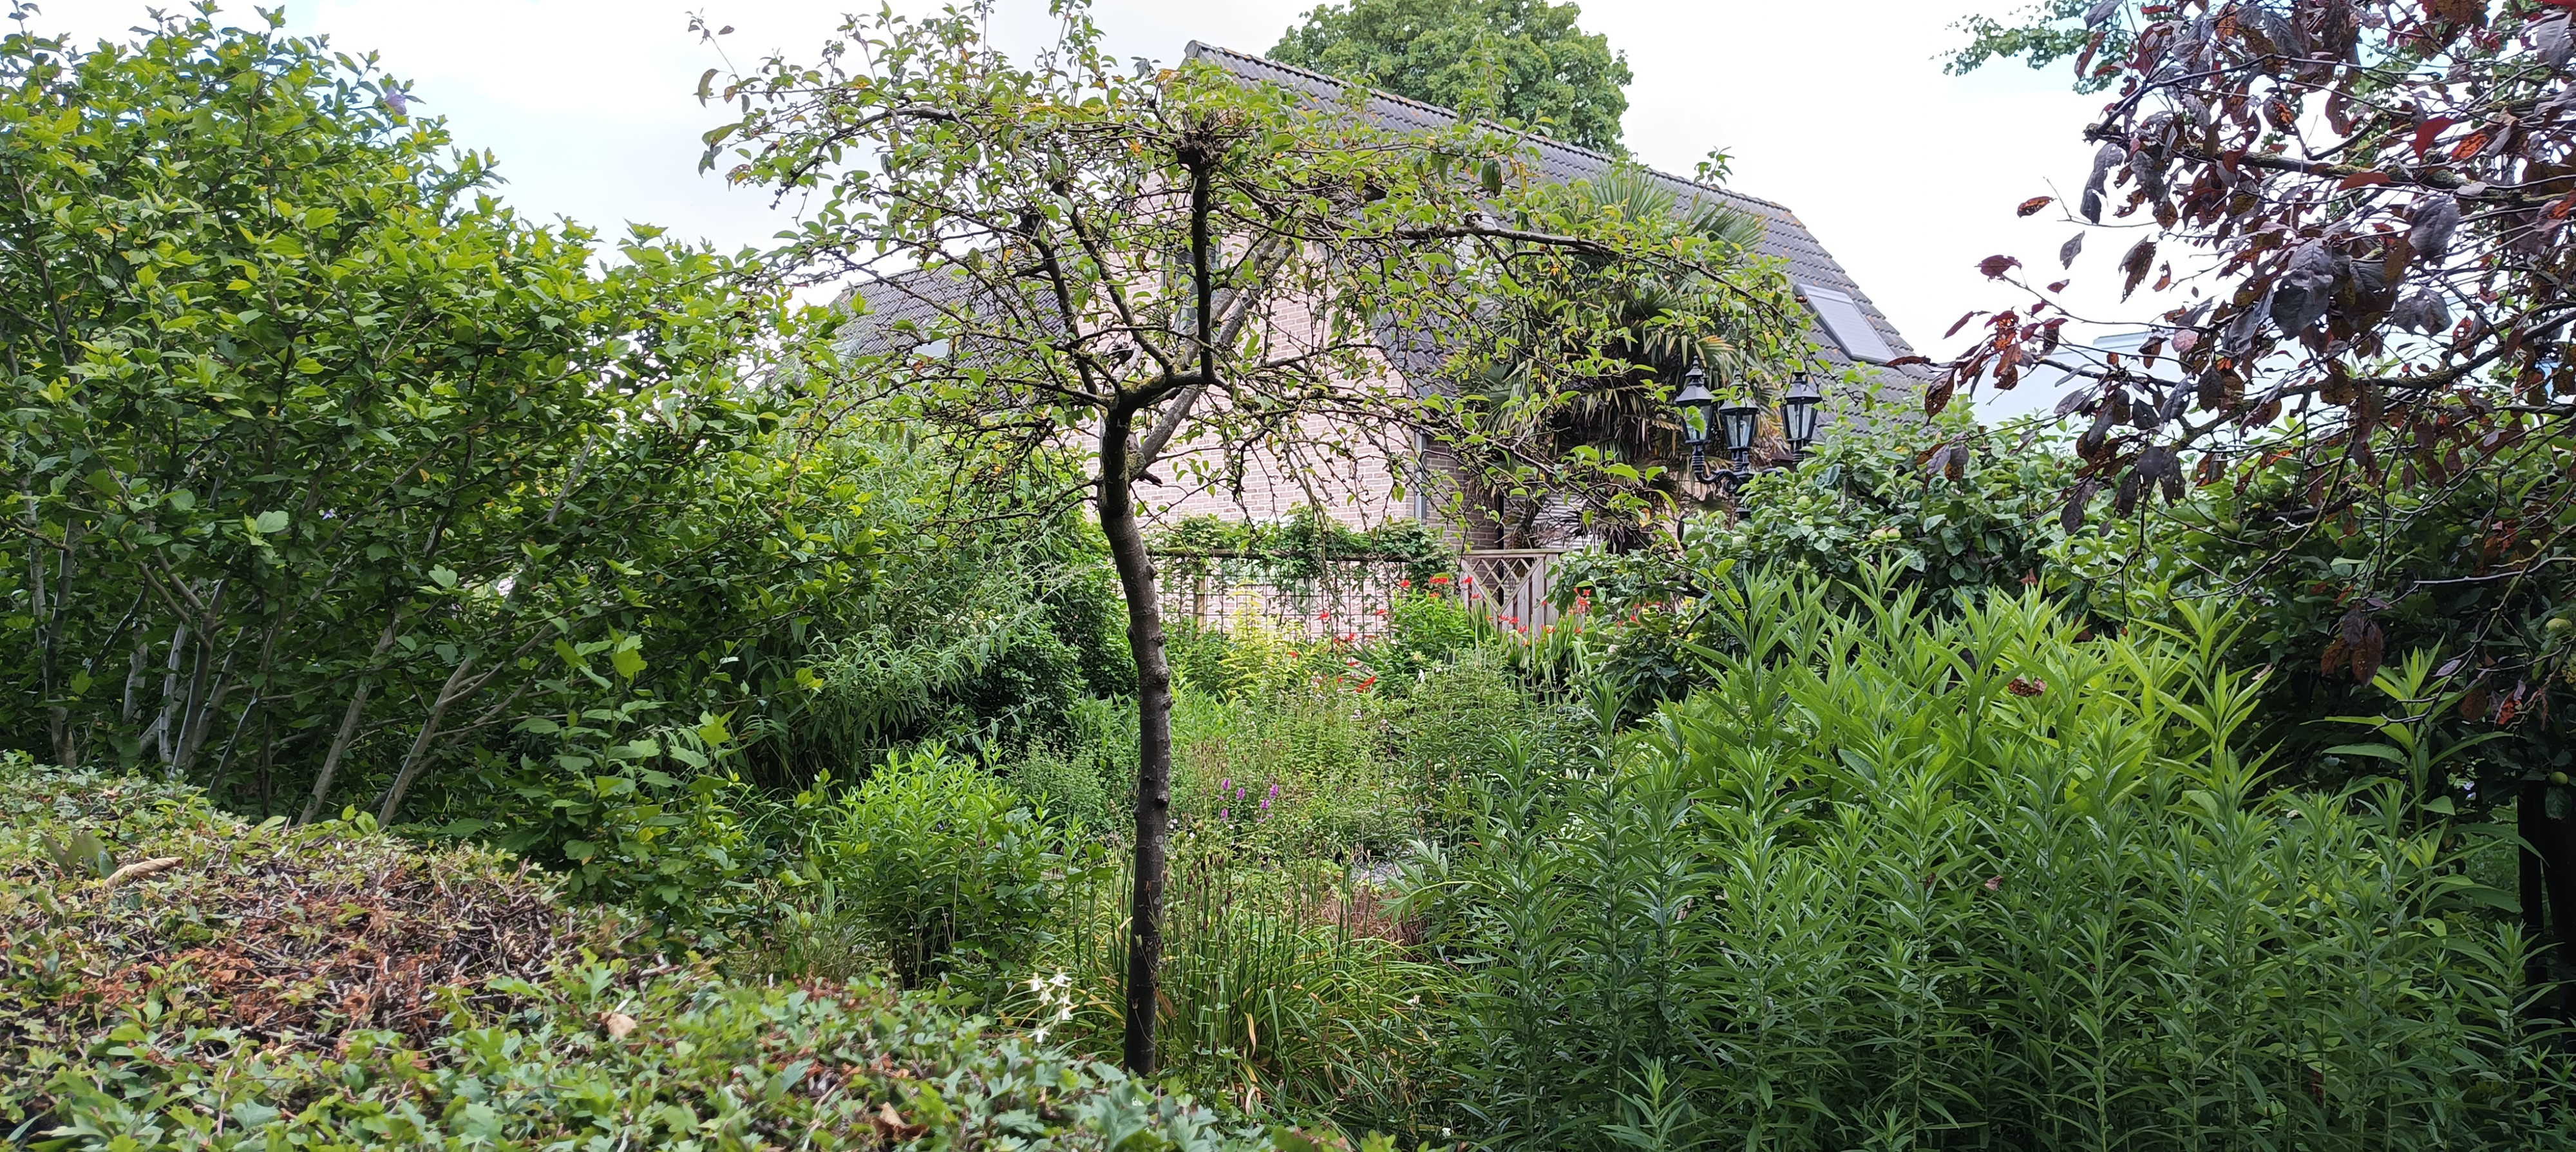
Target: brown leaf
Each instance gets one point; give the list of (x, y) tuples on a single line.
[(2471, 145), (1995, 266), (2361, 180), (2134, 266), (1963, 322), (2067, 252), (617, 1025), (2033, 205), (890, 1125), (2060, 286), (2366, 655)]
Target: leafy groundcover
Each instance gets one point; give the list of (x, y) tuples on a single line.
[(179, 978)]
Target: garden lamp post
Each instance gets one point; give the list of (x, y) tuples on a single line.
[(1695, 403), (1798, 414), (1737, 420)]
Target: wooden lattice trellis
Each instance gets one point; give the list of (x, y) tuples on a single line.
[(1343, 598)]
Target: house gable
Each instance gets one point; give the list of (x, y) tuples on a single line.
[(1784, 237)]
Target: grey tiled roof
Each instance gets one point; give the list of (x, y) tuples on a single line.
[(1784, 237), (922, 297), (917, 297)]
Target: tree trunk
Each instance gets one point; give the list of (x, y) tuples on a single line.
[(418, 757), (1117, 501), (48, 609), (348, 724)]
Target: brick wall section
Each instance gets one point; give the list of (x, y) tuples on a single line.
[(1352, 471)]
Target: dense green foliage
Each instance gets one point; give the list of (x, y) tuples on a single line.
[(296, 408), (1894, 808), (1054, 247), (943, 864), (1867, 497), (1908, 878), (338, 483), (2474, 573), (179, 1030), (1522, 60)]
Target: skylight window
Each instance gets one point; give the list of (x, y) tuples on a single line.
[(1848, 325)]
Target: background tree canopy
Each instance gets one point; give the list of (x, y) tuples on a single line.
[(1524, 60)]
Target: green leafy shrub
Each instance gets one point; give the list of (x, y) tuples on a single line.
[(1201, 656), (262, 986), (1877, 496), (1427, 626), (1456, 723), (1086, 777), (944, 866), (598, 1057), (656, 823), (1904, 877)]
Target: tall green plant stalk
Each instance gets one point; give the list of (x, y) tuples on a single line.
[(1903, 878)]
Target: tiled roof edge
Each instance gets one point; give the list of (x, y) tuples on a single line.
[(1200, 49)]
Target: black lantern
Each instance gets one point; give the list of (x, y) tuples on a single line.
[(1798, 414), (1737, 419), (1694, 400), (1695, 403)]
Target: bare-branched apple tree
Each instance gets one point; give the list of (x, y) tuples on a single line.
[(1177, 274)]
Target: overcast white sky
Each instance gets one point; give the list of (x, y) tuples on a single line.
[(1840, 112)]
